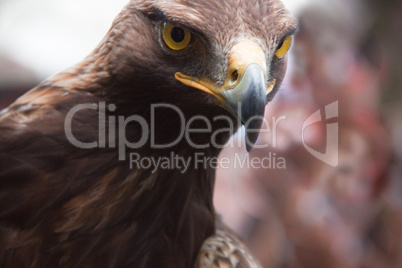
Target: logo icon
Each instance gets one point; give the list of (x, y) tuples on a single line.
[(331, 155)]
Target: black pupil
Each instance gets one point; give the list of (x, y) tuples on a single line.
[(281, 44), (178, 34)]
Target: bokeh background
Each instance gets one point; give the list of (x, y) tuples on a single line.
[(307, 215)]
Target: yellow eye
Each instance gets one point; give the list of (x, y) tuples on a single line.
[(284, 47), (175, 37)]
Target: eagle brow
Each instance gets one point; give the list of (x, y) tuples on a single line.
[(290, 31), (154, 13), (157, 14)]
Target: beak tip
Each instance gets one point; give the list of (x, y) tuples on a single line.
[(251, 139)]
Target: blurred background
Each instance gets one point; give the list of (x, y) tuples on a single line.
[(308, 214), (312, 214)]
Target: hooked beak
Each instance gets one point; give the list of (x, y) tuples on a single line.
[(244, 94)]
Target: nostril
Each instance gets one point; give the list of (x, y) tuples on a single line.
[(234, 76)]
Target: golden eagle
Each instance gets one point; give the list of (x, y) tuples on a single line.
[(69, 194)]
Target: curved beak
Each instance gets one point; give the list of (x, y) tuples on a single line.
[(244, 94), (246, 101)]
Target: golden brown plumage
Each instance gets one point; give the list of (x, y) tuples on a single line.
[(65, 206)]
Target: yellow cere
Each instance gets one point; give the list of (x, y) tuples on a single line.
[(175, 37), (280, 52)]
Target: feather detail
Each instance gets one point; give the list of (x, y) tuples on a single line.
[(224, 250)]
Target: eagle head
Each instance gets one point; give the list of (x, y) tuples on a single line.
[(225, 56)]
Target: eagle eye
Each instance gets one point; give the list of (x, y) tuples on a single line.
[(284, 47), (176, 37)]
